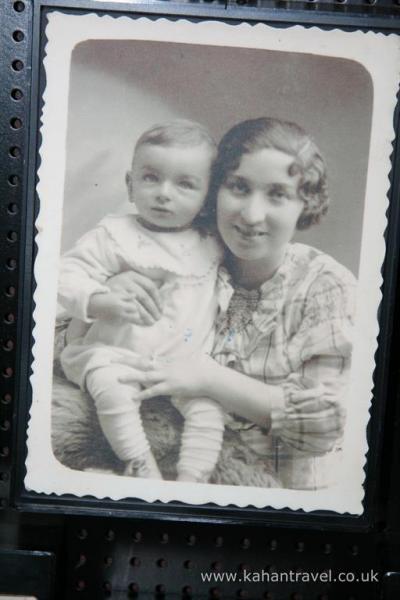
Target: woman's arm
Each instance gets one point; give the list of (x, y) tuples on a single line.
[(201, 376), (245, 396), (315, 409), (312, 422), (307, 409)]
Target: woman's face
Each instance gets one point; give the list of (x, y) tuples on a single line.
[(258, 206)]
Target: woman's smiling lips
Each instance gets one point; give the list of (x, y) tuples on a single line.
[(248, 233)]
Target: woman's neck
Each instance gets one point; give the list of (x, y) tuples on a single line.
[(251, 274)]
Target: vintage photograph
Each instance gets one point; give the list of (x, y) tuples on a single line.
[(210, 242)]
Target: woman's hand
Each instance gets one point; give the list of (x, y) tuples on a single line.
[(111, 306), (139, 293), (312, 421), (186, 377)]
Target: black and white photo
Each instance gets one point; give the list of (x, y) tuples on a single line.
[(210, 240)]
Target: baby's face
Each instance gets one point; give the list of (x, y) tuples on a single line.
[(169, 184)]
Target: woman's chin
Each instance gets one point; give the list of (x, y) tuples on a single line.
[(247, 253)]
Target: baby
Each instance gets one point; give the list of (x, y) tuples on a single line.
[(168, 183)]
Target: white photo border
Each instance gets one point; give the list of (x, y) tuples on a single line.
[(45, 474)]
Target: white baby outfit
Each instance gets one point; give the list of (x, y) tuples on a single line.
[(184, 265)]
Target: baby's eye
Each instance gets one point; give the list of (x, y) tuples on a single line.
[(186, 184), (150, 177), (238, 186)]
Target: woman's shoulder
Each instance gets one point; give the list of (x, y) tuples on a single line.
[(319, 304), (314, 281), (310, 266)]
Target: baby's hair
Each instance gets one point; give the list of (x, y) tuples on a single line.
[(183, 133), (180, 132), (257, 134)]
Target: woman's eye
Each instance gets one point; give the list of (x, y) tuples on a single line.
[(278, 195), (238, 187), (150, 177)]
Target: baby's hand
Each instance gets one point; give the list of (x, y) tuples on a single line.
[(111, 306), (141, 292)]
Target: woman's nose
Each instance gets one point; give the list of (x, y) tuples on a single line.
[(254, 209)]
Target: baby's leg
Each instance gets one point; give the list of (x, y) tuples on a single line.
[(201, 438), (119, 417)]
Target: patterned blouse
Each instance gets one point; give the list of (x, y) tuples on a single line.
[(294, 332)]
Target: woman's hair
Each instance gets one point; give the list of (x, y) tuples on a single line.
[(257, 134)]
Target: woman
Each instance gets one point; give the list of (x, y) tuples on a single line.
[(282, 353)]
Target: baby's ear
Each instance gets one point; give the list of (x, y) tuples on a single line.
[(129, 185)]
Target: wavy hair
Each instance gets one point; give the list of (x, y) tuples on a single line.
[(257, 134)]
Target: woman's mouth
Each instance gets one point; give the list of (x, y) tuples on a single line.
[(249, 233)]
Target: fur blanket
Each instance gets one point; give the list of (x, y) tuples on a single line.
[(79, 443)]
